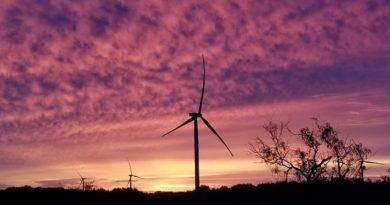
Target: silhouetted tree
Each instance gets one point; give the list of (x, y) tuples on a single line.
[(307, 162), (386, 178), (90, 186), (342, 152), (277, 155), (361, 154), (319, 148)]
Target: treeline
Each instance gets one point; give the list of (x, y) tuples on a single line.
[(325, 192)]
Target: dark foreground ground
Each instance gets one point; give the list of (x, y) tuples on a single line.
[(280, 193)]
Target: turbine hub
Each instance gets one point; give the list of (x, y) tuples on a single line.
[(195, 114)]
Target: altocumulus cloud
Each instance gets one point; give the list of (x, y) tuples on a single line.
[(64, 64)]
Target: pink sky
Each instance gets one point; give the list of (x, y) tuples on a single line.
[(85, 85)]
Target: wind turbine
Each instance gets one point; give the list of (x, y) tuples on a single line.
[(194, 117), (82, 181), (131, 175), (362, 168)]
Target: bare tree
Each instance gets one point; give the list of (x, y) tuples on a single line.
[(276, 155), (342, 151), (90, 185), (320, 153), (386, 178), (361, 154), (307, 163), (312, 161)]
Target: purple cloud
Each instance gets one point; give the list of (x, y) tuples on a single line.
[(75, 73)]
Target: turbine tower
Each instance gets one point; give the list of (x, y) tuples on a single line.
[(194, 117), (82, 181), (131, 175)]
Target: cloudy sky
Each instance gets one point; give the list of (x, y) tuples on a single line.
[(85, 84)]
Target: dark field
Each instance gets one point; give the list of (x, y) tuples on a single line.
[(278, 193)]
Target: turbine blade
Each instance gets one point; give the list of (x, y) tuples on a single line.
[(204, 82), (131, 171), (371, 162), (184, 123), (128, 182), (79, 174), (215, 132), (137, 176)]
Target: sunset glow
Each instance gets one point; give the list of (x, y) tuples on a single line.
[(85, 84)]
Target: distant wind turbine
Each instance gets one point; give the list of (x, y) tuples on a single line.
[(131, 175), (362, 168), (194, 117), (82, 181)]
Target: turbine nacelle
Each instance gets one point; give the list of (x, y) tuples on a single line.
[(195, 114)]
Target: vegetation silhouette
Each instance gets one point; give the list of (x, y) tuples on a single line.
[(321, 154), (320, 192)]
